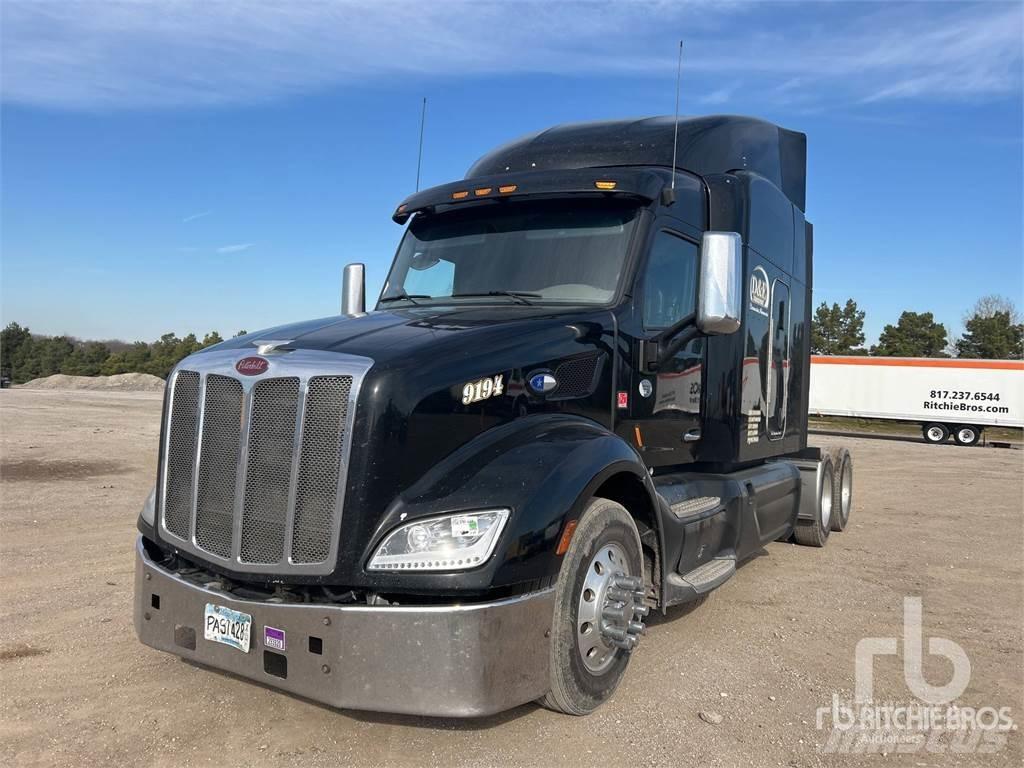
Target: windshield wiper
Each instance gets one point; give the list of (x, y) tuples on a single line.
[(403, 295), (520, 296)]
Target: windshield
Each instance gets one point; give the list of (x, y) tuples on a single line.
[(534, 253)]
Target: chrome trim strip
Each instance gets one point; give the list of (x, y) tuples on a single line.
[(304, 364)]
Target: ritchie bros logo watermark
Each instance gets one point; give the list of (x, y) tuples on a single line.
[(931, 720)]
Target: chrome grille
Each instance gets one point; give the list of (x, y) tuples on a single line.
[(218, 464), (323, 436), (268, 473), (181, 452), (254, 467)]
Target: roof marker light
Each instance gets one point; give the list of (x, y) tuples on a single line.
[(482, 191), (605, 184), (506, 188), (460, 195)]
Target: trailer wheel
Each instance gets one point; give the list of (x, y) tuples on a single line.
[(599, 609), (935, 433), (814, 533), (842, 489), (966, 434)]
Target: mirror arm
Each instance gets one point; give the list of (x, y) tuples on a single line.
[(680, 341)]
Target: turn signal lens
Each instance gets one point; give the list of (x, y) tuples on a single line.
[(460, 195), (605, 184), (505, 189), (563, 543), (482, 191)]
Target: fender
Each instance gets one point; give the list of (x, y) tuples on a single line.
[(543, 468)]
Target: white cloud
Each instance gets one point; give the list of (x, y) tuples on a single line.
[(194, 216), (718, 96), (235, 248), (120, 54)]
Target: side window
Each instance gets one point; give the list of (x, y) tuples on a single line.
[(778, 359), (670, 281)]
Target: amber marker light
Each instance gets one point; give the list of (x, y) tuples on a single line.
[(460, 195), (482, 191), (563, 543), (506, 188), (605, 184)]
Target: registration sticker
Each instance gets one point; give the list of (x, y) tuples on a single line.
[(274, 638), (227, 626)]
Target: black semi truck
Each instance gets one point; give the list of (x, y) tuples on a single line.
[(582, 396)]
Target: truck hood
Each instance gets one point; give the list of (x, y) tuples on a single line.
[(401, 335)]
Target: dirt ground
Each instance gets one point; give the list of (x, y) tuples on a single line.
[(763, 654)]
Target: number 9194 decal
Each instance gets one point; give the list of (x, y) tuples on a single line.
[(481, 389)]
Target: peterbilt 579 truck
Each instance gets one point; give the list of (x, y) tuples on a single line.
[(582, 396)]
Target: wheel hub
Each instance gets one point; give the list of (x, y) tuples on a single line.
[(611, 609)]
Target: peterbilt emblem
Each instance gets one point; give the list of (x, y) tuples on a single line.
[(252, 366), (542, 382), (759, 291)]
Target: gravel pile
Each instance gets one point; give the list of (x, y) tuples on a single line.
[(122, 382)]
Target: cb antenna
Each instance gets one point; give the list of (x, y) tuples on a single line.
[(419, 158), (669, 195)]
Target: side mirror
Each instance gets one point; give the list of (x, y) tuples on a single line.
[(720, 298), (353, 290)]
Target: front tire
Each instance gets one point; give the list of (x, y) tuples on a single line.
[(602, 574), (935, 433), (966, 434)]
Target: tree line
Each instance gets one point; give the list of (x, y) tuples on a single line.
[(24, 356), (992, 330)]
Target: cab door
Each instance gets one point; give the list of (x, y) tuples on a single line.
[(667, 403)]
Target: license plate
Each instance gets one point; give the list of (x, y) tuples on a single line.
[(224, 625)]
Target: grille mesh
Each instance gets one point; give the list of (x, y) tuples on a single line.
[(576, 376), (288, 492), (275, 404), (316, 493), (181, 451), (218, 464)]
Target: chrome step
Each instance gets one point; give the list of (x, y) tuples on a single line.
[(695, 506), (711, 574)]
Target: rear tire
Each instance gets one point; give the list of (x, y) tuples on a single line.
[(842, 489), (580, 683), (935, 433), (966, 434), (814, 533)]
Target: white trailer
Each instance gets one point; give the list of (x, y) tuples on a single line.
[(946, 396)]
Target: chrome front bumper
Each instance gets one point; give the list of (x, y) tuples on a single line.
[(449, 660)]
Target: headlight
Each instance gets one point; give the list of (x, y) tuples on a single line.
[(448, 543), (148, 513)]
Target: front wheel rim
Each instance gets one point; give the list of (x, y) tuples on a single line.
[(610, 609)]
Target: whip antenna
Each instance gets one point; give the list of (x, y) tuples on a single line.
[(675, 133), (423, 120)]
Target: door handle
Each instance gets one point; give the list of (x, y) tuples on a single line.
[(692, 436)]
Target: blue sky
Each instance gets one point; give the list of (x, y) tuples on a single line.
[(191, 166)]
